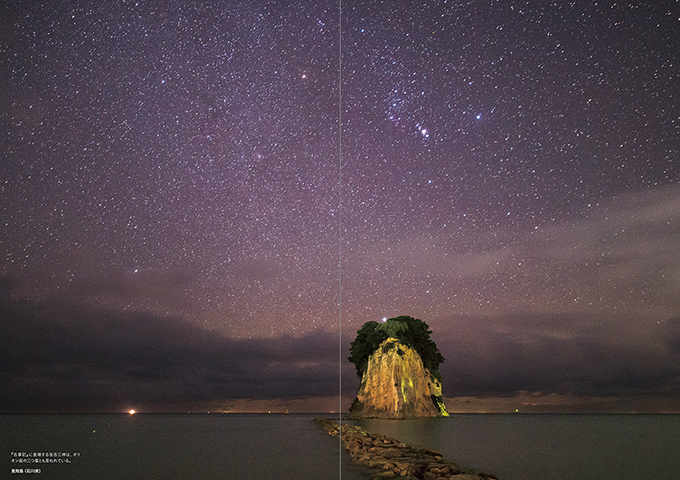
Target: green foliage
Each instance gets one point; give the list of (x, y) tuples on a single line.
[(395, 327), (410, 331), (356, 406), (369, 336)]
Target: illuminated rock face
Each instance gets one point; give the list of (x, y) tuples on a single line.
[(397, 385)]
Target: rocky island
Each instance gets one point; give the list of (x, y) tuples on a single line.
[(398, 365)]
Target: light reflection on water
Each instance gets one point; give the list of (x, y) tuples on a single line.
[(162, 446), (252, 446), (548, 446)]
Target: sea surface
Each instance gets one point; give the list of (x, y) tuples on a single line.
[(549, 446), (271, 446), (175, 446)]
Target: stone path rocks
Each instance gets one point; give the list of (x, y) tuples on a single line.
[(389, 458)]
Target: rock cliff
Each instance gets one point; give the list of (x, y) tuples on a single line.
[(396, 384)]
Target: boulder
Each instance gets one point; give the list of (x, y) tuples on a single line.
[(396, 384)]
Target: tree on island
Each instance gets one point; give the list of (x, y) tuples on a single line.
[(410, 331)]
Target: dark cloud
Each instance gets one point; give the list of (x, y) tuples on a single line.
[(672, 332), (504, 166), (70, 356), (585, 306), (57, 356), (567, 355)]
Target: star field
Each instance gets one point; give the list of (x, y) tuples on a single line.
[(500, 160), (192, 143), (475, 129)]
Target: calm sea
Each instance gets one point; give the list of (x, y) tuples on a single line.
[(175, 446), (549, 447), (261, 446)]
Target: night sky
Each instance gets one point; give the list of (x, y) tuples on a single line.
[(201, 200)]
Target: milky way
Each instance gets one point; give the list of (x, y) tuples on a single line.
[(506, 171)]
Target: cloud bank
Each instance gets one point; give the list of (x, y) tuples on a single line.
[(592, 312), (65, 357)]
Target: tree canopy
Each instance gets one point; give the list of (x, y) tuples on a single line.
[(410, 331)]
